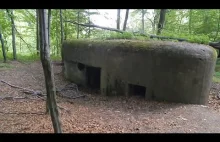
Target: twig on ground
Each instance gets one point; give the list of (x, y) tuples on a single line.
[(69, 97), (32, 113), (67, 110), (25, 90)]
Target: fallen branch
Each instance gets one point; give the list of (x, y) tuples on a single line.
[(95, 26), (32, 113), (69, 97), (67, 110), (25, 90), (12, 98), (163, 37), (215, 44), (28, 45)]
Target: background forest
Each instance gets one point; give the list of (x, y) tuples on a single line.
[(19, 28)]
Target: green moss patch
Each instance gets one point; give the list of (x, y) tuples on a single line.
[(133, 45)]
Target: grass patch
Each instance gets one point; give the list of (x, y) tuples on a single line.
[(4, 66)]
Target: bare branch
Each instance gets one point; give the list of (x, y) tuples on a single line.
[(95, 26)]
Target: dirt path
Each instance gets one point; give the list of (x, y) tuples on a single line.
[(95, 113)]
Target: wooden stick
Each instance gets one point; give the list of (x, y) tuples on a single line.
[(32, 113)]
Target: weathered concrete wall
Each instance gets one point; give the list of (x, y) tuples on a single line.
[(170, 71)]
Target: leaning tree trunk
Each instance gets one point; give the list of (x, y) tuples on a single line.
[(61, 31), (118, 19), (126, 19), (3, 47), (10, 14), (48, 70), (37, 34), (142, 19), (161, 21)]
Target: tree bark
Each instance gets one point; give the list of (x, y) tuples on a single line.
[(142, 19), (126, 19), (118, 19), (37, 33), (48, 70), (3, 47), (161, 21), (10, 14)]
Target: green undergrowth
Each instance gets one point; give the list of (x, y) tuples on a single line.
[(192, 38), (27, 58)]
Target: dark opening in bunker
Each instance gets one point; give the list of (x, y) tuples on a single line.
[(81, 66), (137, 90), (93, 77)]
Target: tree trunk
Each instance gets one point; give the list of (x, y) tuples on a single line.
[(49, 16), (190, 21), (78, 25), (48, 70), (65, 26), (37, 33), (118, 19), (156, 16), (61, 30), (217, 26), (57, 34), (3, 47), (126, 19), (161, 21), (89, 27), (143, 13), (49, 19), (10, 14)]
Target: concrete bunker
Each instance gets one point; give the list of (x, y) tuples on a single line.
[(158, 70)]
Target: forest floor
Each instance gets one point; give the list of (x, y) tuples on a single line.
[(95, 113)]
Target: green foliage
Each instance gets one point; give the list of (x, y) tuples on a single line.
[(202, 38)]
